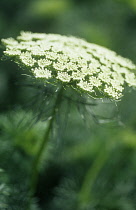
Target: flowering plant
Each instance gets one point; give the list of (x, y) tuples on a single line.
[(70, 62), (73, 62)]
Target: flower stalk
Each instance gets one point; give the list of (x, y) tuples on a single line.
[(85, 193), (36, 162)]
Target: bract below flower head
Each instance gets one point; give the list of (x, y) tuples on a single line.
[(84, 66)]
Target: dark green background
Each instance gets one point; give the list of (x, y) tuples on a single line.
[(84, 143)]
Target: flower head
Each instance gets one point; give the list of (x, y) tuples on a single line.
[(73, 61)]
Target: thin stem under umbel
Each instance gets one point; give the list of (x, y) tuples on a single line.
[(35, 165)]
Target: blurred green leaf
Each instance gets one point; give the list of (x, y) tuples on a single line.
[(49, 8)]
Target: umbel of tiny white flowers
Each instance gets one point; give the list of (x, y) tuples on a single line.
[(72, 61)]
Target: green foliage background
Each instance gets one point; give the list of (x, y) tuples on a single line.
[(105, 146)]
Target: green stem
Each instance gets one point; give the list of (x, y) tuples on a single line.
[(35, 166), (91, 176)]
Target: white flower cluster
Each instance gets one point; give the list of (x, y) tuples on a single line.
[(73, 61)]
